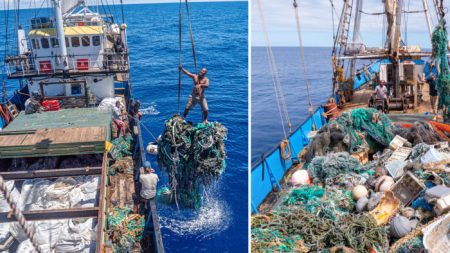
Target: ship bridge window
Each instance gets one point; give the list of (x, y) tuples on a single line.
[(96, 40), (44, 43), (67, 42), (75, 89), (35, 44), (54, 42), (85, 41), (75, 41)]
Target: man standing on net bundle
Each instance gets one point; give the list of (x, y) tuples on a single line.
[(148, 180), (201, 82)]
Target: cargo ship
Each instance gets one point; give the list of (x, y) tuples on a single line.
[(303, 201), (69, 173)]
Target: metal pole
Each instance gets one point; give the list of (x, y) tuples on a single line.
[(60, 33), (427, 17)]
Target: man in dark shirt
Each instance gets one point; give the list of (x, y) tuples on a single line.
[(431, 80)]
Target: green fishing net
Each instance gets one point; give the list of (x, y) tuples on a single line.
[(439, 43), (322, 168), (193, 157), (125, 228), (365, 126), (121, 147), (123, 165), (293, 229)]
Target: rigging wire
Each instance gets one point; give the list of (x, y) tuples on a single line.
[(180, 23), (302, 55), (282, 109), (192, 36)]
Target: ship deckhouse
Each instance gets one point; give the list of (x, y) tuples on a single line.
[(77, 53)]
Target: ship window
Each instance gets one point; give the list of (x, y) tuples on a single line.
[(75, 41), (75, 89), (54, 42), (44, 43), (67, 42), (96, 40), (85, 41), (35, 43)]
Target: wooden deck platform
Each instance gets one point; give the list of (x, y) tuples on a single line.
[(52, 142), (423, 110)]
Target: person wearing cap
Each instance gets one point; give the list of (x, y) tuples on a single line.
[(431, 80), (148, 180)]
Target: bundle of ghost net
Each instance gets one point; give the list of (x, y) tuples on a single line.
[(193, 157)]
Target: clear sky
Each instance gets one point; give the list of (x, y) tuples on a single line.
[(317, 25)]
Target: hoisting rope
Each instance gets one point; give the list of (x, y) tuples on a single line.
[(305, 71), (192, 36), (19, 216), (180, 23), (282, 108), (285, 150)]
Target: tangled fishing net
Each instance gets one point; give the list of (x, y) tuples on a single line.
[(193, 156), (295, 229), (322, 168), (439, 44), (121, 147), (124, 165), (125, 228), (354, 131), (420, 132)]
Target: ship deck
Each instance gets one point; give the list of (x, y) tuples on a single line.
[(423, 110)]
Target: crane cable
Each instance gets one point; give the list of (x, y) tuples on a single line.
[(19, 216), (191, 36), (282, 108), (302, 55), (179, 56)]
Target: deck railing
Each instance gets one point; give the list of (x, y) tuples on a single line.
[(22, 66)]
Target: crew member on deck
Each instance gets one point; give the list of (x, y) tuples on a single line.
[(33, 104), (381, 93), (201, 82), (118, 118), (148, 180), (431, 80)]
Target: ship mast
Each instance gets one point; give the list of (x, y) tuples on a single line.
[(60, 32), (356, 34)]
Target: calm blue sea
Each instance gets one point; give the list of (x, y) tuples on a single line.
[(220, 33), (266, 126)]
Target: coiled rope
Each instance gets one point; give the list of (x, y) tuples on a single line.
[(19, 216), (285, 150)]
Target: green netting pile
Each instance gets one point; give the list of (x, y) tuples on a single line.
[(327, 203), (193, 157), (365, 126), (296, 230), (439, 44), (121, 147), (322, 168), (354, 131), (125, 228), (124, 165)]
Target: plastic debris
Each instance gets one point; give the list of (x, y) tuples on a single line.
[(399, 182), (125, 229)]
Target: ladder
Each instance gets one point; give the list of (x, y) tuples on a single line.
[(345, 22), (13, 110)]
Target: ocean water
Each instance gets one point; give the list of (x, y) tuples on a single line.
[(220, 33), (267, 130)]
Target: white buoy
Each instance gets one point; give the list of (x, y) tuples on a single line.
[(152, 148), (359, 191), (300, 177)]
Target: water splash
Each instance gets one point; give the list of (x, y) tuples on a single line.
[(212, 218), (149, 109)]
